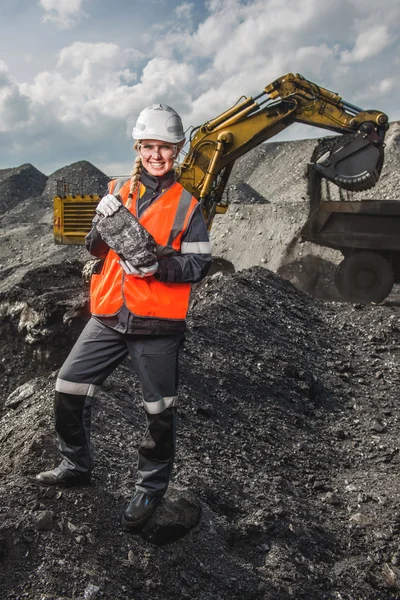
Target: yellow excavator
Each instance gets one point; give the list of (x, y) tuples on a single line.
[(353, 161)]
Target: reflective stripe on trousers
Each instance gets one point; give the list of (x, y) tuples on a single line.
[(97, 352)]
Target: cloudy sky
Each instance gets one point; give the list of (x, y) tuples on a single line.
[(74, 74)]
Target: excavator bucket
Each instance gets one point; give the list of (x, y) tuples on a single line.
[(351, 161)]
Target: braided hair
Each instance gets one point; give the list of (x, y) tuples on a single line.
[(135, 177)]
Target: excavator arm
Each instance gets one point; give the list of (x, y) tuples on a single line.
[(217, 144)]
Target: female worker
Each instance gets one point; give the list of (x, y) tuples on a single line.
[(136, 311)]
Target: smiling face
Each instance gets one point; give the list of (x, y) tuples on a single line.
[(158, 157)]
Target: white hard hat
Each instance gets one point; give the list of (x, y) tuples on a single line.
[(159, 122)]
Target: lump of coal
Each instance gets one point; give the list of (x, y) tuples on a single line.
[(128, 238)]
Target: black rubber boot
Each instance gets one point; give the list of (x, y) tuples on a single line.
[(140, 508), (62, 477)]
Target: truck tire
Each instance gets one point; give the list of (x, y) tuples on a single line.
[(364, 277)]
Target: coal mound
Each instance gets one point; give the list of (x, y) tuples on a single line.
[(82, 177), (40, 318), (18, 184), (287, 457)]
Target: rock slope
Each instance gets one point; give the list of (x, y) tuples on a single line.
[(26, 227), (82, 177), (18, 184)]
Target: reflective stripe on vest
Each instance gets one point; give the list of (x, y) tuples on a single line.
[(115, 186), (166, 219)]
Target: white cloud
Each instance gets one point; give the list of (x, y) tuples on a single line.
[(388, 86), (3, 73), (64, 13), (102, 62), (368, 43), (184, 10), (91, 97), (14, 106), (95, 89), (87, 83)]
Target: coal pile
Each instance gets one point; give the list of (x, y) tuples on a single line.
[(26, 228), (40, 318), (19, 183), (285, 483), (78, 178), (42, 298)]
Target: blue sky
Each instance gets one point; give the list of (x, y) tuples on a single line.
[(74, 74)]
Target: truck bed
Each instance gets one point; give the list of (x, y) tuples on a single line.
[(368, 224)]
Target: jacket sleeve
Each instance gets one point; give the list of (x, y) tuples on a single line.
[(93, 242), (192, 265)]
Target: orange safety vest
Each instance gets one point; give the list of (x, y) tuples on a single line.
[(166, 219)]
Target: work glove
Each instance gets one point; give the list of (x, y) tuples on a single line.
[(142, 272), (108, 205)]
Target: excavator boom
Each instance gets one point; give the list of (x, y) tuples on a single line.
[(215, 145)]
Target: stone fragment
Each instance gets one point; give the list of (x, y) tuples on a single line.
[(351, 488), (44, 520), (91, 591), (319, 485), (50, 492), (128, 238), (378, 426), (178, 513), (263, 547), (359, 518), (396, 559), (81, 539), (392, 576), (19, 395), (133, 561), (332, 498)]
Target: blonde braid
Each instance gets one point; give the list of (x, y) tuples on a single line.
[(135, 177)]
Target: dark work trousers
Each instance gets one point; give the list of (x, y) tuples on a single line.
[(97, 352)]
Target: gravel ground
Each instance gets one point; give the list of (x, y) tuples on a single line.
[(286, 480)]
